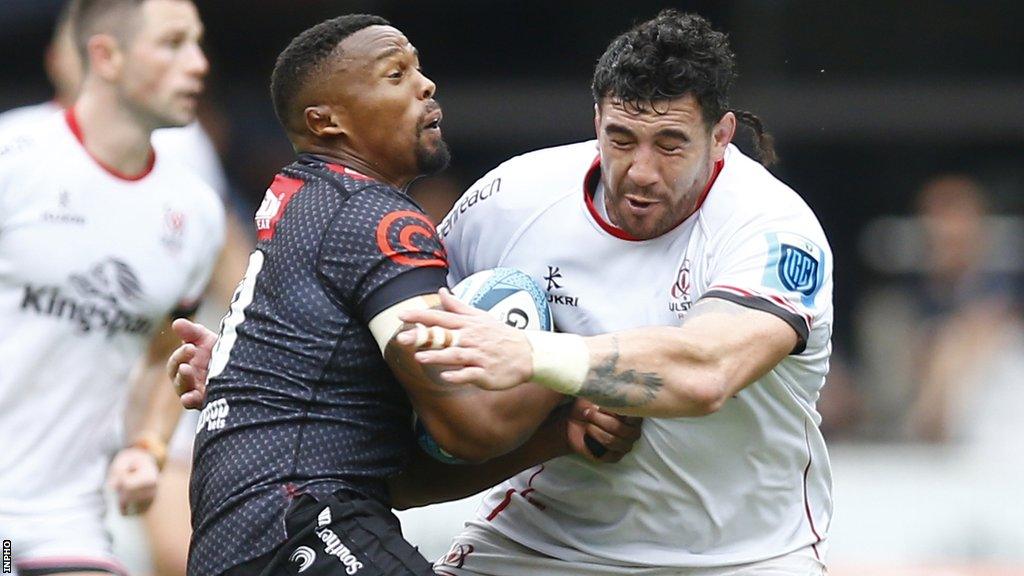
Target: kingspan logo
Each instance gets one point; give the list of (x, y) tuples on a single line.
[(96, 300), (333, 545)]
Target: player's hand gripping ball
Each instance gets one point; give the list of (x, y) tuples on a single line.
[(510, 296)]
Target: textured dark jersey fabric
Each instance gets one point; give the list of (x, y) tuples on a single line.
[(305, 404)]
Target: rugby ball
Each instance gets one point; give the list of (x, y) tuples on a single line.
[(509, 295)]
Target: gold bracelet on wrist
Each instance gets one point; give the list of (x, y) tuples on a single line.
[(152, 442)]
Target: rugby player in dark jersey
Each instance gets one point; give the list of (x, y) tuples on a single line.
[(305, 441)]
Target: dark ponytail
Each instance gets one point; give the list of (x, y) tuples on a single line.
[(764, 144)]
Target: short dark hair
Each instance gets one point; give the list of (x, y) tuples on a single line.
[(668, 57), (91, 17), (306, 53)]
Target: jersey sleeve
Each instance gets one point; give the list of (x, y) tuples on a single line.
[(379, 250), (782, 266), (209, 240)]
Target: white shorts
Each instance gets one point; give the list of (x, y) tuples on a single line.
[(480, 551), (70, 540)]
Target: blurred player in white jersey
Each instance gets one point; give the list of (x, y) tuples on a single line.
[(167, 522), (102, 241), (190, 144), (691, 287)]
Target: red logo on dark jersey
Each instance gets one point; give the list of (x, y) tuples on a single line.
[(274, 202), (397, 236)]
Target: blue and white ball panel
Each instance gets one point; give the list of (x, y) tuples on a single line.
[(509, 295), (429, 445)]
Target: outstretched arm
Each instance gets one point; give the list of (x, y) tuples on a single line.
[(689, 370), (134, 472), (187, 366), (469, 423)]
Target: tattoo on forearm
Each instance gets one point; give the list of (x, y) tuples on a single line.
[(607, 385)]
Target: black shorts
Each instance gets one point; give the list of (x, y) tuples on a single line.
[(346, 534)]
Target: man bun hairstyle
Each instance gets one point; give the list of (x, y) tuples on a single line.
[(668, 57), (306, 53)]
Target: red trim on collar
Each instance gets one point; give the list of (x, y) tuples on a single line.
[(346, 171), (711, 182), (69, 117), (590, 187)]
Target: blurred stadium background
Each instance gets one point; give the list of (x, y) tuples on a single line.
[(873, 105)]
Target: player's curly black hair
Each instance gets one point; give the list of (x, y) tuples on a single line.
[(670, 56), (306, 52)]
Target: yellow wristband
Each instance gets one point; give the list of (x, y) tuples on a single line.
[(152, 443), (560, 361)]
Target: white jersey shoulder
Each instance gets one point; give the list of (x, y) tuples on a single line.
[(191, 145), (26, 118), (764, 241), (746, 193), (485, 220)]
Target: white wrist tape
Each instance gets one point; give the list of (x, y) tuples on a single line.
[(560, 361)]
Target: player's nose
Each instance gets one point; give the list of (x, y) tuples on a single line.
[(198, 64), (428, 89), (643, 170)]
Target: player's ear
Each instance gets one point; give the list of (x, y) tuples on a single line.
[(721, 135), (105, 56), (323, 121), (597, 118)]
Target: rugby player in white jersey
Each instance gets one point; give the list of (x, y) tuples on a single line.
[(690, 286), (167, 520), (190, 145), (102, 241)]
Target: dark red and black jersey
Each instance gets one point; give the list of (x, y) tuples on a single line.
[(300, 400)]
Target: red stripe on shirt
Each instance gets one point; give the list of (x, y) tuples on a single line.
[(76, 129)]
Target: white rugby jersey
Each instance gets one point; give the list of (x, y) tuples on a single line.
[(91, 263), (749, 482), (189, 145)]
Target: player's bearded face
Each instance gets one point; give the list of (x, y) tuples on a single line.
[(164, 67), (432, 154), (391, 115), (654, 163)]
